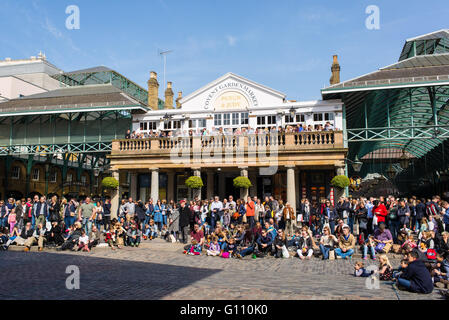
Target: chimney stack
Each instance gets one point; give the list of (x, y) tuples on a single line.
[(178, 99), (335, 78), (169, 96), (153, 91)]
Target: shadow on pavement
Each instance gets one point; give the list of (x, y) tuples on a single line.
[(42, 275)]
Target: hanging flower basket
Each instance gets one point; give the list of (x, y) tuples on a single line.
[(194, 182), (109, 183), (340, 182), (242, 182)]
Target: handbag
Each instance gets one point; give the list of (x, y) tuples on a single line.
[(285, 253), (380, 247), (387, 247), (244, 219), (331, 255)]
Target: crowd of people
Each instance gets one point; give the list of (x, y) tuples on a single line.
[(139, 134), (228, 228)]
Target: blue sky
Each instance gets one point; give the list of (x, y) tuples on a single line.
[(286, 45)]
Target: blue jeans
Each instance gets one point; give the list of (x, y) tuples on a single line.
[(69, 221), (342, 254), (332, 226), (4, 222), (87, 225), (404, 283), (247, 251), (325, 251), (365, 251), (394, 227), (133, 241), (351, 224)]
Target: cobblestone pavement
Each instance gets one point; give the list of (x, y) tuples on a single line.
[(159, 270)]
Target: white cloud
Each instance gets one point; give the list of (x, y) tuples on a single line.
[(231, 40), (52, 29)]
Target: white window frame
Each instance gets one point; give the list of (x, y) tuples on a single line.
[(15, 173), (35, 177)]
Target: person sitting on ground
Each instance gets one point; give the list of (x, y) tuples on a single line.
[(197, 234), (133, 236), (110, 237), (83, 241), (26, 232), (54, 235), (264, 242), (214, 248), (415, 278), (304, 245), (327, 242), (193, 249), (346, 244), (426, 242), (94, 237), (385, 268), (383, 238), (246, 246), (280, 245), (151, 230), (38, 237)]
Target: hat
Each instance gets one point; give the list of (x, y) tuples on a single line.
[(345, 226)]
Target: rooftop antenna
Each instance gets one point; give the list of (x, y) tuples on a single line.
[(164, 56)]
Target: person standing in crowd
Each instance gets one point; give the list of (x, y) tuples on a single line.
[(129, 208), (250, 211), (4, 212), (54, 209), (86, 212), (107, 214), (184, 221), (41, 211)]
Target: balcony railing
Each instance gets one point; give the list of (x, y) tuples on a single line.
[(287, 142)]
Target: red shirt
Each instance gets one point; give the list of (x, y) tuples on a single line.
[(197, 235), (381, 212), (250, 209)]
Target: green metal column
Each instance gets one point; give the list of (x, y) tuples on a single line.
[(30, 162)]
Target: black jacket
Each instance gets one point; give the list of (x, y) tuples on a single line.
[(26, 234), (140, 211), (419, 277), (184, 216)]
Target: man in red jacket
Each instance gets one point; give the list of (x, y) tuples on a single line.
[(250, 212)]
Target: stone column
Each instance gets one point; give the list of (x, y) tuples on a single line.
[(197, 192), (243, 192), (154, 184), (115, 196), (210, 184), (298, 192), (133, 186), (170, 186), (221, 185), (291, 187), (253, 179)]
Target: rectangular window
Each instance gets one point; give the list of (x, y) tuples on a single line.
[(260, 121), (192, 123), (177, 124), (317, 117), (53, 176), (217, 120), (201, 123), (226, 119), (288, 118), (271, 119), (152, 125), (35, 174), (167, 125), (300, 118), (15, 173), (144, 126), (69, 177), (244, 118), (83, 179), (235, 119), (96, 182), (329, 116)]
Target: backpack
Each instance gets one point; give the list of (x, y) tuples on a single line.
[(431, 254)]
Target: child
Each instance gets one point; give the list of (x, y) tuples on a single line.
[(110, 237), (83, 241), (151, 230), (206, 228), (385, 268), (360, 271), (401, 269), (440, 272), (410, 241), (426, 241), (226, 218), (214, 248), (165, 233), (12, 220), (222, 241), (231, 247)]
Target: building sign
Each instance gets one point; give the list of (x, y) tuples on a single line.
[(231, 98)]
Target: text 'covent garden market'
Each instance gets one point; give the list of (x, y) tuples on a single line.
[(63, 132)]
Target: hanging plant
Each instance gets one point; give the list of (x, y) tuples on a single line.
[(194, 182), (242, 182), (109, 183), (340, 182)]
